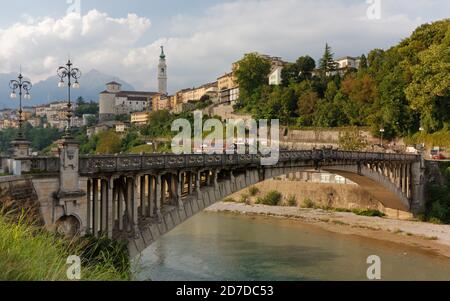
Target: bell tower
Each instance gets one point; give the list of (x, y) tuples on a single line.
[(162, 73)]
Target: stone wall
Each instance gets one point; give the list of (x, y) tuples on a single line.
[(17, 194)]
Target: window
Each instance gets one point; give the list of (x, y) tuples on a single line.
[(340, 180), (325, 178)]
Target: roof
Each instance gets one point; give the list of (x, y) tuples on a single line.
[(114, 83), (347, 58), (226, 75), (133, 93), (106, 92)]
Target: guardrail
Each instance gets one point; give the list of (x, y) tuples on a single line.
[(117, 163)]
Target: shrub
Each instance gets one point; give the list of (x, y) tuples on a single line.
[(253, 191), (273, 198), (229, 200), (292, 201), (435, 220), (369, 212), (244, 198), (308, 203)]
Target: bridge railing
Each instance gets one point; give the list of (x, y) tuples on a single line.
[(117, 163), (44, 164)]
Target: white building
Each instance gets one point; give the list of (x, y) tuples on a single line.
[(113, 101), (275, 76), (348, 62)]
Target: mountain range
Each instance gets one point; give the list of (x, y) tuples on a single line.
[(92, 83)]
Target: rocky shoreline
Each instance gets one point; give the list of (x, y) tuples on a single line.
[(428, 237)]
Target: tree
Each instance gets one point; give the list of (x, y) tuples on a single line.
[(327, 63), (363, 62), (429, 91), (306, 106), (298, 71), (252, 73), (109, 142), (83, 107)]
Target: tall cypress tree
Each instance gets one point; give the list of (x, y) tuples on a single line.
[(327, 63)]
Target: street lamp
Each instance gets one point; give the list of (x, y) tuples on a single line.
[(381, 134), (22, 86), (71, 74)]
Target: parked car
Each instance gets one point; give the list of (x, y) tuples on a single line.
[(437, 153)]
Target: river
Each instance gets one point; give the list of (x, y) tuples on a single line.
[(213, 246)]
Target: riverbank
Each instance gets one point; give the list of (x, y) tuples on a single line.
[(425, 236)]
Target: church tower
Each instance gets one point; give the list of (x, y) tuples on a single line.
[(162, 73)]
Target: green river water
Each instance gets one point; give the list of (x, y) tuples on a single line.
[(213, 246)]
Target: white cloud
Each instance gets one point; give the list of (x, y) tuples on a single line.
[(199, 49)]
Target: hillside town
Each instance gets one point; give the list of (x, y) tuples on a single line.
[(217, 97)]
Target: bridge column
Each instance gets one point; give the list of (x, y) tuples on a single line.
[(135, 203), (405, 180), (151, 196), (417, 185), (158, 197), (408, 180), (111, 204), (179, 189), (174, 182), (233, 182), (96, 207), (104, 205), (197, 184), (121, 203), (142, 202), (89, 207), (129, 209), (216, 176), (190, 176)]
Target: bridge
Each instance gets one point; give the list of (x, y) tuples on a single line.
[(141, 197)]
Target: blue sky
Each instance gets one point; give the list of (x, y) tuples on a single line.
[(202, 37)]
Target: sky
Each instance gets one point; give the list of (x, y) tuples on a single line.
[(201, 37)]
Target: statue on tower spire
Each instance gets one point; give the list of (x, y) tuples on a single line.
[(162, 56)]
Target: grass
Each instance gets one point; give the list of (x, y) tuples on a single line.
[(308, 203), (148, 149), (253, 191), (291, 201), (273, 198), (229, 200), (245, 198), (28, 253)]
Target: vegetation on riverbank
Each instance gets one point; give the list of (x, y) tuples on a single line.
[(438, 207), (29, 253), (275, 198)]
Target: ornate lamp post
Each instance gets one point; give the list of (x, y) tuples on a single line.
[(71, 74), (22, 86), (382, 133), (20, 147)]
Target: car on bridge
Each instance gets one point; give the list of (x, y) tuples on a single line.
[(437, 153)]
